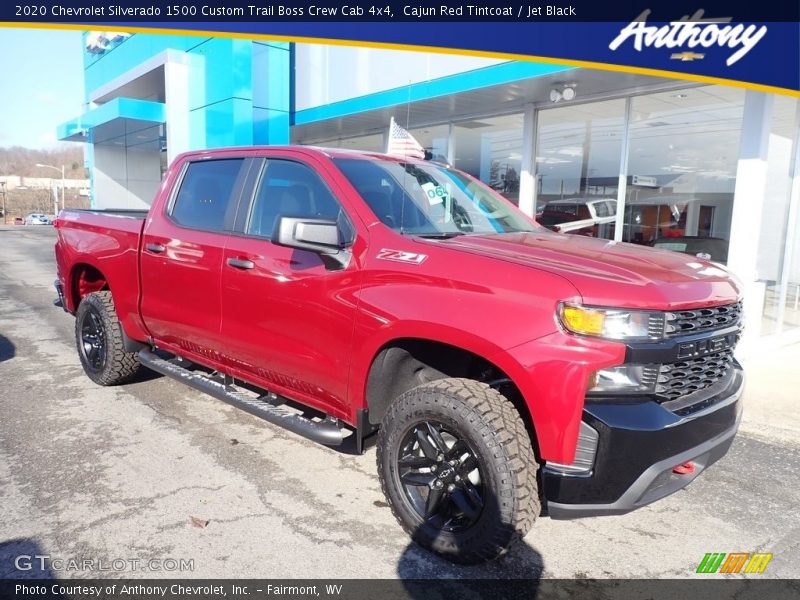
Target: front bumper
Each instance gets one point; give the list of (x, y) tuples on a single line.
[(639, 446)]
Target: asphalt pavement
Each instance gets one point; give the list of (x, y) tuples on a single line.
[(103, 474)]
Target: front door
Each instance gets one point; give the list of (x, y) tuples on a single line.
[(287, 318)]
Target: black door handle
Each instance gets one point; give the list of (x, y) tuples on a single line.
[(155, 248), (241, 263)]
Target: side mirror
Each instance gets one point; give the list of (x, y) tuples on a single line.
[(316, 235)]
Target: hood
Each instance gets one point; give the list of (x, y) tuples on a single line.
[(611, 273)]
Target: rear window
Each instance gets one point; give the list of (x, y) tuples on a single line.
[(205, 194)]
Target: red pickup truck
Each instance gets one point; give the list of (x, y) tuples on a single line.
[(507, 370)]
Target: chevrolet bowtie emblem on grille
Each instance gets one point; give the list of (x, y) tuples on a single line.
[(687, 56)]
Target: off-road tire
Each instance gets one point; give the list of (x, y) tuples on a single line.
[(118, 366), (489, 423)]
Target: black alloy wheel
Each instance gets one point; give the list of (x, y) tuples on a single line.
[(94, 351), (101, 343), (441, 477), (457, 466)]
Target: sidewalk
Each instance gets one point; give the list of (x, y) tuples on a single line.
[(772, 394)]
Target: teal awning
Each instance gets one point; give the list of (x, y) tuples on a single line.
[(123, 121)]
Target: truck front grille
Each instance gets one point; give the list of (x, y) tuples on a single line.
[(685, 377), (703, 319)]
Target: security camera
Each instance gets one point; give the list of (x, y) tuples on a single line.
[(568, 93), (555, 95)]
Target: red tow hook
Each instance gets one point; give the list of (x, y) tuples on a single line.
[(686, 468)]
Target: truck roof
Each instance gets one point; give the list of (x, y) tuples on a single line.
[(318, 150)]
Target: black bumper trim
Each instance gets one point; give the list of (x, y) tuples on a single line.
[(658, 480)]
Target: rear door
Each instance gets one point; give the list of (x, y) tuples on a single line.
[(287, 317), (181, 256)]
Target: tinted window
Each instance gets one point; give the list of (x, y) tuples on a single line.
[(290, 189), (205, 193), (567, 209), (556, 214)]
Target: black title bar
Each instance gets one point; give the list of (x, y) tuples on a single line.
[(752, 588)]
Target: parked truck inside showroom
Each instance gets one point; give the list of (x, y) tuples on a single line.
[(509, 371)]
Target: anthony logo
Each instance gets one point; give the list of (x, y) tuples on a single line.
[(691, 32), (735, 562)]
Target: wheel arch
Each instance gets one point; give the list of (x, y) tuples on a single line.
[(403, 363), (84, 279)]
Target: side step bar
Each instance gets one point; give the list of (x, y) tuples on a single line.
[(324, 432)]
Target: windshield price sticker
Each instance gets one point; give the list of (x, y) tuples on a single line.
[(436, 194)]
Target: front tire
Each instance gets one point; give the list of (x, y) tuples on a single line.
[(98, 337), (457, 468)]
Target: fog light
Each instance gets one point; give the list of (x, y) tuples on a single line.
[(584, 453), (626, 379)]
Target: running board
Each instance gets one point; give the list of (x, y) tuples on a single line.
[(324, 432)]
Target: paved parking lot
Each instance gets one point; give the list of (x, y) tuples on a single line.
[(105, 473)]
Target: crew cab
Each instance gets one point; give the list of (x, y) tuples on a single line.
[(506, 370)]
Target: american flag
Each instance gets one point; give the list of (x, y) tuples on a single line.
[(402, 143)]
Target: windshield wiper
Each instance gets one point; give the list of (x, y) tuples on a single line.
[(441, 235)]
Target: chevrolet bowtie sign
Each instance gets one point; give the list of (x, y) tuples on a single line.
[(687, 56), (98, 42)]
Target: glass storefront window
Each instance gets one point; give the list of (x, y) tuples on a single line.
[(778, 268), (433, 139), (682, 160), (369, 143), (491, 150), (577, 167)]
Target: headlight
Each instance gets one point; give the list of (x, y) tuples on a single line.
[(612, 323), (626, 379)]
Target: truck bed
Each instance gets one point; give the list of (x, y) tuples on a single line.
[(133, 213), (106, 241)]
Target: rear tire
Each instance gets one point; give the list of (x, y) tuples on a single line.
[(456, 465), (98, 337)]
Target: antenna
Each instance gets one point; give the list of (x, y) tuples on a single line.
[(405, 167)]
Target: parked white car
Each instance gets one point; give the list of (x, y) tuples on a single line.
[(582, 216), (37, 219)]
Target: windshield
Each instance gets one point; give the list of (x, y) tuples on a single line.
[(430, 199)]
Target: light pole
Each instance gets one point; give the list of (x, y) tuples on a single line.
[(3, 194), (63, 189)]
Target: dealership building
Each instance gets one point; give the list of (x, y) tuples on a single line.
[(687, 166)]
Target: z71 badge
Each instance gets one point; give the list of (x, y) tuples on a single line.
[(401, 256)]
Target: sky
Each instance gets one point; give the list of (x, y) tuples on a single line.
[(42, 84)]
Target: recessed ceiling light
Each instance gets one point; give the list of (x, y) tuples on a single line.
[(680, 96)]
